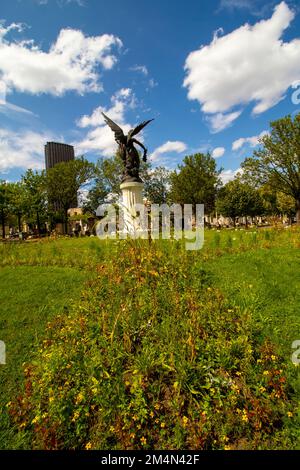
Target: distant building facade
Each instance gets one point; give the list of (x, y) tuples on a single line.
[(57, 153)]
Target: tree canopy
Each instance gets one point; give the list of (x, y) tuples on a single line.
[(277, 162), (196, 181), (64, 181), (238, 199)]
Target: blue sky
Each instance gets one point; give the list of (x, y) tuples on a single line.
[(213, 74)]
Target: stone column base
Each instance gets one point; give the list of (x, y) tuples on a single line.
[(131, 196)]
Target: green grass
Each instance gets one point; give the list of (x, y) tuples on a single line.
[(152, 342), (82, 253), (268, 283), (29, 297)]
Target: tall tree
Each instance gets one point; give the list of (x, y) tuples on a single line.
[(64, 181), (196, 181), (277, 162), (238, 199), (5, 195), (36, 196), (18, 201), (285, 205), (157, 185)]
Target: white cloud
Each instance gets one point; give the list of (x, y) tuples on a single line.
[(240, 68), (61, 3), (23, 149), (239, 4), (100, 138), (228, 175), (140, 68), (9, 109), (218, 152), (13, 26), (255, 7), (122, 98), (221, 121), (80, 3), (252, 141), (170, 146), (152, 83), (70, 64)]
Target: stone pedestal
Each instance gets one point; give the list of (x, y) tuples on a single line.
[(131, 196)]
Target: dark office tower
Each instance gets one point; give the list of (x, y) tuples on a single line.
[(58, 153)]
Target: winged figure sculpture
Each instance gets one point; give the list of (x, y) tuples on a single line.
[(127, 150)]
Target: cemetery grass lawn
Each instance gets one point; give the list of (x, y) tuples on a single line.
[(267, 283), (254, 276), (29, 297)]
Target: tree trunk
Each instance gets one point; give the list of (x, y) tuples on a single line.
[(38, 223), (19, 222), (298, 211), (66, 222), (3, 223)]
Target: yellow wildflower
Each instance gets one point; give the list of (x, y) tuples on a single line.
[(35, 420), (79, 398), (88, 446), (185, 420), (245, 416), (76, 415), (143, 441)]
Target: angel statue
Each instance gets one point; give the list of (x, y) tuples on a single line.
[(128, 152)]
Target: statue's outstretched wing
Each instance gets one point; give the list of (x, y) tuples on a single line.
[(119, 135), (141, 126)]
